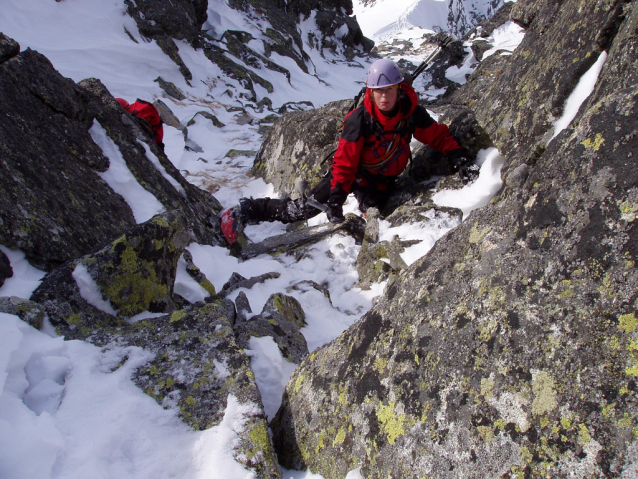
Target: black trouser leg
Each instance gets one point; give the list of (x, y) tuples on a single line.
[(285, 210), (369, 196)]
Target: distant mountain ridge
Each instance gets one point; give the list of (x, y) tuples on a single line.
[(456, 17)]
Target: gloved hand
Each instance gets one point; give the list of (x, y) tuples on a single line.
[(335, 204), (462, 162), (459, 158), (469, 173)]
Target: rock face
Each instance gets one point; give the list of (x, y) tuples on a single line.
[(508, 350), (297, 146), (54, 225)]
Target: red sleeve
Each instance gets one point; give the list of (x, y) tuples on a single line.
[(346, 163), (437, 136)]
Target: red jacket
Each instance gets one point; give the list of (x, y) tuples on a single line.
[(363, 145)]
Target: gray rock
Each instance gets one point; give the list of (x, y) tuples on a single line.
[(292, 344), (169, 118), (197, 368), (181, 19), (285, 306), (30, 312), (242, 306), (53, 205), (209, 116), (134, 273), (298, 144), (237, 281), (518, 176), (9, 48), (170, 89)]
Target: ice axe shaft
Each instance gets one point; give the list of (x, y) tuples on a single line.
[(424, 64), (302, 186), (315, 204)]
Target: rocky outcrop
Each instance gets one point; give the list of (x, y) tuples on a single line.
[(508, 350), (134, 274), (298, 146), (281, 318), (9, 48), (198, 368), (52, 225)]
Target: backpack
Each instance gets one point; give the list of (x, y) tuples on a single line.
[(147, 116)]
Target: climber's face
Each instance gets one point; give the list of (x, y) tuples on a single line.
[(386, 98)]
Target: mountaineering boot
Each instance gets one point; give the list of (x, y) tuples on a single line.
[(232, 224)]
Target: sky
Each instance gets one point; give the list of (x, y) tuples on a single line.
[(64, 412)]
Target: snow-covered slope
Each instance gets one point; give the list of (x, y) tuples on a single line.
[(382, 20)]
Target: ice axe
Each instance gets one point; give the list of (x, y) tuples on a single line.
[(442, 44), (302, 186)]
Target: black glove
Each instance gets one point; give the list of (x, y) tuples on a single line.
[(335, 204), (469, 173), (459, 158), (462, 162)]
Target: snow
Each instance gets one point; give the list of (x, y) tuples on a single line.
[(142, 203), (386, 20), (480, 192), (25, 277), (69, 409), (90, 291), (582, 91), (272, 372), (506, 37)]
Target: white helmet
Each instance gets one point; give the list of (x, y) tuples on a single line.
[(383, 73)]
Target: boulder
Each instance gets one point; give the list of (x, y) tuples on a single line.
[(298, 146), (133, 274), (281, 319), (285, 307)]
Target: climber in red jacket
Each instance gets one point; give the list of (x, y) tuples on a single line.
[(373, 150)]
